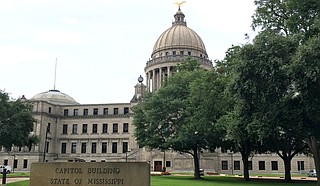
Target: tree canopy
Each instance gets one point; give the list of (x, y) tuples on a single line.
[(16, 122), (288, 16), (182, 115)]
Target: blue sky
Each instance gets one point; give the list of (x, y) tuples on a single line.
[(102, 46)]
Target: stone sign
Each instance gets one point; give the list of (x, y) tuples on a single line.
[(90, 173)]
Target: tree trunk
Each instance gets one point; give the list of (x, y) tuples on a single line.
[(287, 168), (196, 164), (313, 144), (245, 152), (245, 161)]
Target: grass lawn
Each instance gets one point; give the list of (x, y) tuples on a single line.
[(20, 183), (221, 181), (209, 180), (18, 174)]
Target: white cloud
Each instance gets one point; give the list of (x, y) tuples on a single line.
[(70, 20), (13, 54), (60, 37)]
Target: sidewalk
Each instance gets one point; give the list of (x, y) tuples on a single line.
[(10, 180)]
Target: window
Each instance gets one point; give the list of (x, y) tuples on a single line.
[(63, 148), (300, 165), (85, 112), (84, 128), (224, 165), (115, 128), (15, 164), (50, 110), (168, 163), (174, 53), (181, 53), (274, 165), (75, 112), (114, 147), (5, 162), (94, 128), (249, 165), (262, 165), (74, 128), (95, 111), (94, 147), (65, 129), (126, 110), (47, 147), (48, 127), (104, 147), (189, 53), (105, 128), (236, 165), (25, 164), (73, 147), (124, 147), (115, 111), (83, 147), (125, 128), (167, 53), (65, 112), (105, 111)]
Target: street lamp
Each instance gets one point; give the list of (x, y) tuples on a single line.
[(231, 164), (14, 159), (45, 144), (127, 155)]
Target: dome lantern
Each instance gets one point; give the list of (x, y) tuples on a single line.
[(179, 18)]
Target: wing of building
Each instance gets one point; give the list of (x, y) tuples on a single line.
[(71, 131)]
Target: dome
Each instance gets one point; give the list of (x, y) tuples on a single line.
[(179, 37), (174, 46), (55, 97)]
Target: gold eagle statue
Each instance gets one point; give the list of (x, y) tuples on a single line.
[(180, 3)]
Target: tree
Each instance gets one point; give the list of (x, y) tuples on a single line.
[(239, 116), (288, 16), (265, 86), (182, 114), (16, 122), (306, 73), (300, 18)]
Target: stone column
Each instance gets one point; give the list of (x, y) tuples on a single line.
[(147, 74), (160, 77), (153, 80), (168, 71)]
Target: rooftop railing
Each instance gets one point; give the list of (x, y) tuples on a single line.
[(177, 58)]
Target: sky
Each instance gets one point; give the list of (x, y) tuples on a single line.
[(102, 46)]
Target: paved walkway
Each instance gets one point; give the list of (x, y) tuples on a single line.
[(10, 180)]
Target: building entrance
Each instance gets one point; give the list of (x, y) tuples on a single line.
[(157, 166)]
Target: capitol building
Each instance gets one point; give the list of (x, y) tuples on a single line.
[(75, 132)]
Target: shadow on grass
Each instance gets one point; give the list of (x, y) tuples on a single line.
[(226, 181)]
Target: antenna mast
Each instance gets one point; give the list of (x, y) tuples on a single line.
[(55, 75)]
